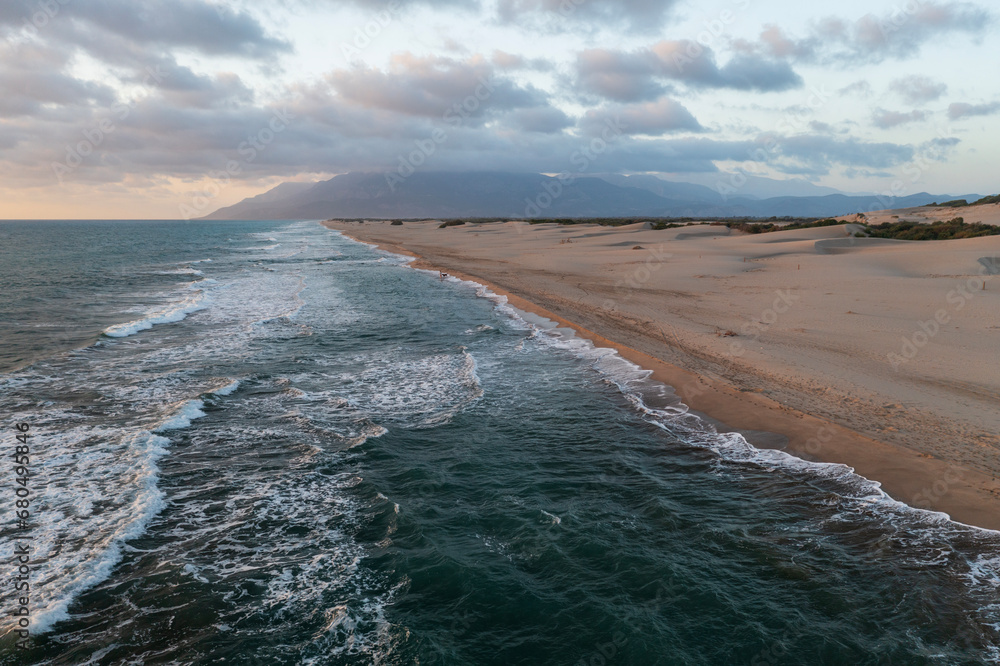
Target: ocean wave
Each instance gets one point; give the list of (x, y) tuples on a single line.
[(228, 389), (183, 416), (419, 392), (173, 313), (182, 271), (99, 497), (127, 488)]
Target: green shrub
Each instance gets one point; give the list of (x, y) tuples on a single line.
[(942, 230)]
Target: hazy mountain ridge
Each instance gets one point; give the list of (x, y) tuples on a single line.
[(528, 195)]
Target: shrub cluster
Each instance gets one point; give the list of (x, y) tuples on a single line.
[(943, 230)]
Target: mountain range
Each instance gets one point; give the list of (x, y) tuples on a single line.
[(532, 195)]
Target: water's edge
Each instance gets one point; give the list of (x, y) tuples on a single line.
[(542, 319)]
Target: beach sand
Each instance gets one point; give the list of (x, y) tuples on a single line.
[(795, 338), (984, 214)]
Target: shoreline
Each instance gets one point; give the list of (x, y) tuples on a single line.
[(917, 479)]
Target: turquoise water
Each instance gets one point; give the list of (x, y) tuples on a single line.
[(263, 443)]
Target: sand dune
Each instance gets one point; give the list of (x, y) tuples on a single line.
[(884, 355), (985, 213)]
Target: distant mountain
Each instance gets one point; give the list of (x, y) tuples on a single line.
[(760, 187), (521, 195), (281, 192), (667, 189)]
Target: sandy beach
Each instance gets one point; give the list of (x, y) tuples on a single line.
[(882, 355)]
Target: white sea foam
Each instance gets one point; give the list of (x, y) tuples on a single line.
[(182, 418), (419, 392), (123, 478), (170, 314), (182, 271), (551, 517), (78, 547), (228, 389)]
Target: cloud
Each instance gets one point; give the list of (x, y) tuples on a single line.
[(512, 62), (641, 75), (872, 38), (210, 28), (816, 154), (939, 149), (902, 32), (918, 89), (623, 77), (651, 118), (221, 74), (562, 15), (430, 86), (34, 81), (541, 119), (888, 119), (857, 89), (695, 65), (962, 110)]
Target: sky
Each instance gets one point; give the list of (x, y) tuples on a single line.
[(166, 109)]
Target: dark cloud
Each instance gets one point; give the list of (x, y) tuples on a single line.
[(560, 15), (857, 89), (899, 33), (32, 76), (651, 118), (431, 86), (640, 75), (541, 119), (816, 154), (208, 27), (940, 148), (623, 77), (963, 110), (918, 89), (694, 64), (888, 119), (512, 62)]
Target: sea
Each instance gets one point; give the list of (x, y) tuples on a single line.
[(267, 443)]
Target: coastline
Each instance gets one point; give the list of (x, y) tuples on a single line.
[(966, 494)]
